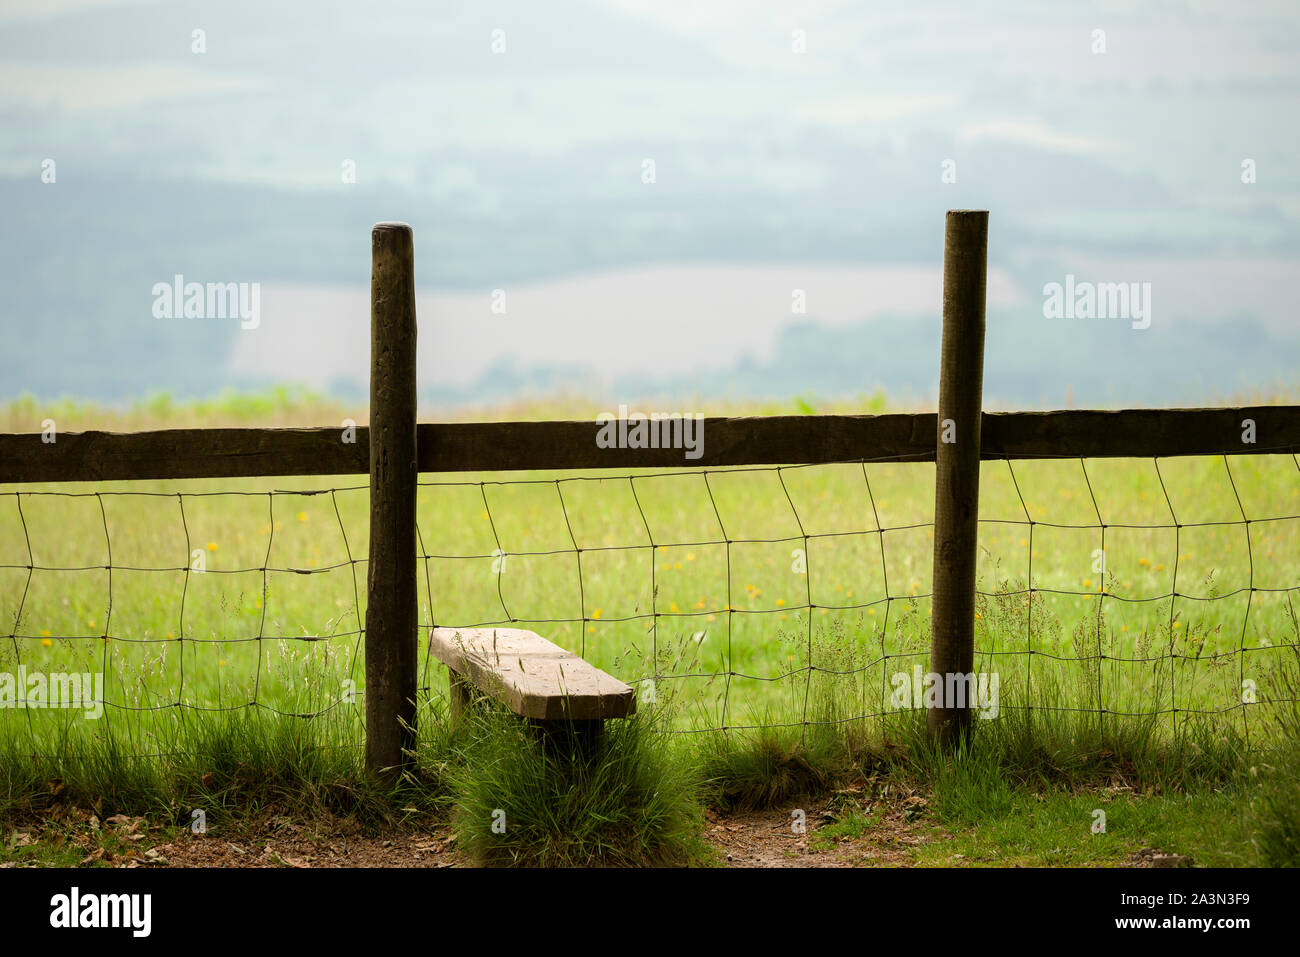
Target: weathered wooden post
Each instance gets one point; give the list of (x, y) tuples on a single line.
[(391, 609), (957, 472)]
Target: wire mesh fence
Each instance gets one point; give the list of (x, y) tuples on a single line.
[(164, 599), (755, 597)]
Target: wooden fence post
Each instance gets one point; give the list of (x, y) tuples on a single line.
[(391, 611), (957, 469)]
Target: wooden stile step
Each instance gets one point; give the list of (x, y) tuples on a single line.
[(535, 678)]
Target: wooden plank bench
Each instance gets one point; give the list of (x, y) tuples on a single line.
[(554, 689)]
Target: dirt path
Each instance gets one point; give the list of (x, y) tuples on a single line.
[(814, 835), (856, 827), (746, 839)]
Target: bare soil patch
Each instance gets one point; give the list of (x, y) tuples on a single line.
[(859, 826), (299, 846)]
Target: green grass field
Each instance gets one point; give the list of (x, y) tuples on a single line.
[(769, 598)]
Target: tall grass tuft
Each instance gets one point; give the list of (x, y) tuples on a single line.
[(234, 766), (1275, 809), (632, 799)]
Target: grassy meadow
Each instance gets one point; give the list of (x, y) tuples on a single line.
[(757, 598)]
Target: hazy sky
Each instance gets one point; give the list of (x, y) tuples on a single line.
[(1107, 139), (283, 86)]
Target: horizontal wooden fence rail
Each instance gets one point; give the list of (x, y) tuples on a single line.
[(524, 446)]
